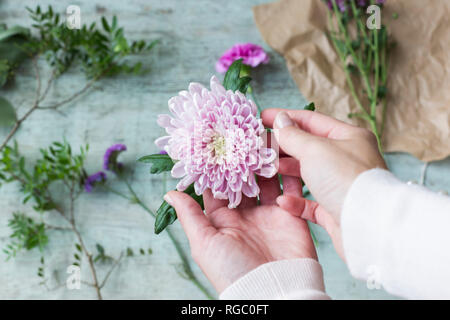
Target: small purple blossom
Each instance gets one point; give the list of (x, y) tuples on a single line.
[(93, 179), (252, 55), (110, 158), (163, 152), (344, 4)]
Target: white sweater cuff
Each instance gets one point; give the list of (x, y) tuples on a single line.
[(395, 235), (300, 279)]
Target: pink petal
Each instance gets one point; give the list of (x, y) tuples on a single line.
[(178, 170), (162, 142)]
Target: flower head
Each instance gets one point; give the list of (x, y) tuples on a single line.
[(216, 141), (252, 55), (110, 158), (93, 179)]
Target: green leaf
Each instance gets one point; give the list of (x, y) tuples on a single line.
[(7, 113), (100, 249), (105, 25), (382, 91), (166, 214), (355, 44), (14, 31), (233, 80), (310, 107), (353, 69), (130, 252), (341, 47), (160, 162), (4, 72)]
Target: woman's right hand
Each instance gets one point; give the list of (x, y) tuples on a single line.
[(328, 155)]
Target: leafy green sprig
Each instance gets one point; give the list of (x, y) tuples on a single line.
[(364, 54), (57, 174), (162, 165), (98, 51)]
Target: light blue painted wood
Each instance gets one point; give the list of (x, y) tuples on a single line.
[(194, 34)]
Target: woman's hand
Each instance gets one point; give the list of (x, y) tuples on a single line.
[(328, 155), (229, 243)]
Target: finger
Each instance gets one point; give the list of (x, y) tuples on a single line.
[(292, 186), (292, 139), (270, 190), (247, 202), (312, 122), (211, 203), (313, 212), (195, 224), (306, 209), (289, 166)]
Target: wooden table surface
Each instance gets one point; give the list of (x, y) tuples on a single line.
[(123, 110)]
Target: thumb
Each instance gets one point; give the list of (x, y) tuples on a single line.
[(289, 136), (194, 222)]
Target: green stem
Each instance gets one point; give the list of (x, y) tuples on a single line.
[(352, 52), (347, 73), (245, 71), (377, 75), (252, 95), (372, 95)]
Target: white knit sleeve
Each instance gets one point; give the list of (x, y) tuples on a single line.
[(297, 279), (397, 236)]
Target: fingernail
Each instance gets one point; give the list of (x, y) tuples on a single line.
[(283, 120), (168, 199)]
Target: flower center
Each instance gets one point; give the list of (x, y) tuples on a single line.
[(219, 146)]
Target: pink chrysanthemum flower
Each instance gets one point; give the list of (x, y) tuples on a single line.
[(252, 55), (215, 138)]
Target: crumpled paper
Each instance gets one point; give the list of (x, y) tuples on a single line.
[(418, 115)]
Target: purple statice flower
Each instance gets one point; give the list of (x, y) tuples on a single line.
[(110, 158), (216, 139), (362, 3), (252, 55), (344, 4), (341, 4), (93, 179), (162, 152)]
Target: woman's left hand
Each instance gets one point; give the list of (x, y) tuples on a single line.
[(229, 243)]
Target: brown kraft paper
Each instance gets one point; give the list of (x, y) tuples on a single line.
[(418, 114)]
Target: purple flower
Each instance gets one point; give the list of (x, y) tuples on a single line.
[(344, 4), (341, 4), (110, 158), (93, 179), (361, 3), (216, 140), (252, 55), (162, 152)]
